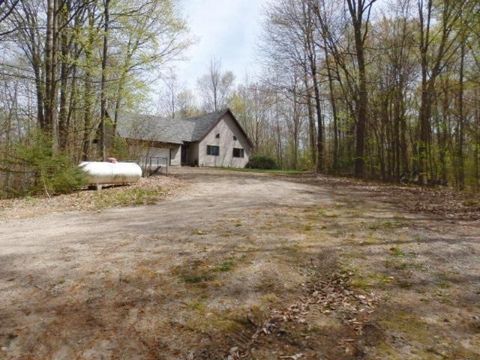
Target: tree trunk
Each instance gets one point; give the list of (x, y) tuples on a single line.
[(64, 73), (49, 68), (461, 121), (311, 118), (88, 95), (362, 102), (318, 106), (103, 96), (477, 141), (333, 104)]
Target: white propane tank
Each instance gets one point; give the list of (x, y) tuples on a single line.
[(103, 173)]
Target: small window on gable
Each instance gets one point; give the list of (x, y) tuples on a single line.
[(238, 153), (217, 136), (234, 138), (213, 150)]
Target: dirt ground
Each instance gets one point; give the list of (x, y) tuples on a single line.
[(242, 265), (145, 191)]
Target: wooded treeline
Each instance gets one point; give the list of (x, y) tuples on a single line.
[(378, 89), (65, 61), (385, 89)]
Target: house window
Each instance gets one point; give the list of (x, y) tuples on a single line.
[(238, 153), (213, 150), (234, 138), (217, 136)]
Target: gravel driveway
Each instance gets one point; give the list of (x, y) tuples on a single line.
[(194, 276)]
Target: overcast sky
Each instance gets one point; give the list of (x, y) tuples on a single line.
[(224, 29)]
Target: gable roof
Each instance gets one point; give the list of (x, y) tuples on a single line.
[(173, 131)]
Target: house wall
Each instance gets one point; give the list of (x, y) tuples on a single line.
[(157, 152), (176, 155), (227, 128), (140, 151)]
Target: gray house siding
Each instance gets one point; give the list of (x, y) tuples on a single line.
[(185, 141), (226, 130), (170, 152), (176, 155)]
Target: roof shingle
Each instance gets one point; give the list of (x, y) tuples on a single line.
[(175, 131)]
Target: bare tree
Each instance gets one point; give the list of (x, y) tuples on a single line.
[(360, 11), (215, 87)]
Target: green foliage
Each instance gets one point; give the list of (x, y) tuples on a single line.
[(50, 172), (262, 162), (120, 148), (305, 161)]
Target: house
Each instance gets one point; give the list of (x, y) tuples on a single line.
[(215, 139)]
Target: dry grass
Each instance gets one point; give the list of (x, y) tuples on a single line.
[(146, 191), (278, 270)]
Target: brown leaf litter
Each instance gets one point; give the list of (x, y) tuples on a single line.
[(332, 297), (153, 188)]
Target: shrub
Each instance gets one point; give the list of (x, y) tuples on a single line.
[(262, 162), (119, 148), (44, 170)]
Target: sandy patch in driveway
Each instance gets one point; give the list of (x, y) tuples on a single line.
[(261, 266)]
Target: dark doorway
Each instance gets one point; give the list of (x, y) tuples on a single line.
[(184, 154)]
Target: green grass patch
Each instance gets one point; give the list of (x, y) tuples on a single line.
[(401, 261), (307, 228), (443, 281), (197, 278), (386, 225), (327, 214), (225, 266), (370, 240), (386, 351), (202, 272), (198, 306), (199, 232), (407, 324), (369, 281), (127, 197), (210, 320), (471, 203), (267, 171), (397, 252), (396, 265)]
